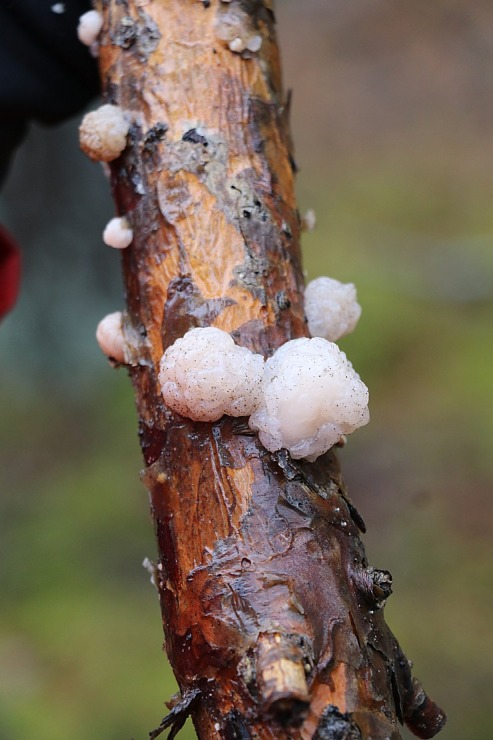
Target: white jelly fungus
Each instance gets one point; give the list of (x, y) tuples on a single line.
[(309, 220), (109, 335), (204, 375), (89, 28), (311, 396), (234, 27), (331, 308), (248, 43), (103, 133), (118, 233)]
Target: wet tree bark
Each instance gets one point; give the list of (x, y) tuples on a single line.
[(272, 616)]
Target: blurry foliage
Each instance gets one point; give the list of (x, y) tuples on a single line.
[(392, 119)]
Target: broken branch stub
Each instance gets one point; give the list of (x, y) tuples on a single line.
[(272, 618)]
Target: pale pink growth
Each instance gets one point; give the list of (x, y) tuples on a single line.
[(309, 220), (205, 374), (254, 43), (311, 396), (89, 28), (237, 44), (234, 27), (331, 308), (109, 335), (118, 233), (103, 133)]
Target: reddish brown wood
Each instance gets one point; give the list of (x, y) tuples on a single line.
[(273, 617)]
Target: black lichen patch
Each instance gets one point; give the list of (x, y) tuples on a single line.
[(236, 727), (154, 136), (141, 33), (334, 725), (193, 137)]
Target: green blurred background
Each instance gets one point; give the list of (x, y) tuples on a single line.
[(393, 125)]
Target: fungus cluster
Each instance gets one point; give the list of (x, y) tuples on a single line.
[(304, 398), (103, 133), (234, 27)]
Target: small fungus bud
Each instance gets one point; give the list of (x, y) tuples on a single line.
[(250, 43), (89, 28), (118, 233), (109, 335), (311, 396), (254, 43), (205, 374), (309, 220), (103, 133), (235, 28), (331, 308), (237, 44)]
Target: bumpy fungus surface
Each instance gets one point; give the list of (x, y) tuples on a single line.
[(118, 233), (311, 396), (205, 375), (103, 133), (331, 308), (109, 335)]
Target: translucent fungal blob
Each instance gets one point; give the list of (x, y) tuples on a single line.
[(103, 133), (109, 335), (90, 25), (205, 374), (118, 233), (331, 308), (311, 396)]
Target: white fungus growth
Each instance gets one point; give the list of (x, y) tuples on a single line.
[(103, 133), (205, 374), (234, 27), (331, 308), (89, 28), (109, 335), (311, 396), (254, 43), (118, 233), (309, 220), (249, 43)]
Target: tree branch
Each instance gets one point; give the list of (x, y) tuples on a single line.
[(273, 617)]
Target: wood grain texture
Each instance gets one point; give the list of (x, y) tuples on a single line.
[(272, 616)]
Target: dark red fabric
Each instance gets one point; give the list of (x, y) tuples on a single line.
[(10, 271)]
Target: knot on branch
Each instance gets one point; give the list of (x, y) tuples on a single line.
[(375, 585)]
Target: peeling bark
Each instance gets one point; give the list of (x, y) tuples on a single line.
[(272, 616)]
